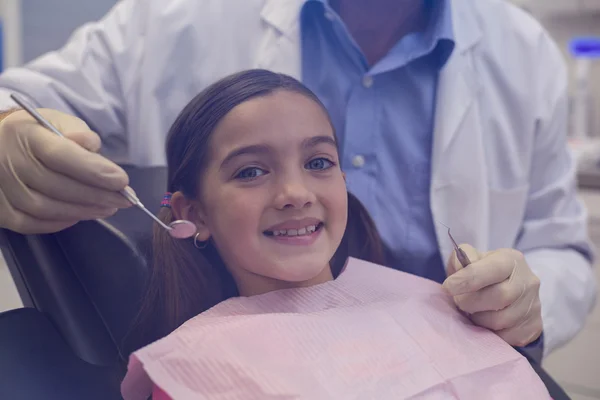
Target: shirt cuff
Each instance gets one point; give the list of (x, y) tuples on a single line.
[(534, 351)]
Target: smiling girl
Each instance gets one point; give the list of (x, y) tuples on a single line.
[(273, 307)]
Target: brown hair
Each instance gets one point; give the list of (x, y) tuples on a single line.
[(186, 281)]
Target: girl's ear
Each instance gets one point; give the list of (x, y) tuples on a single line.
[(184, 208), (344, 175)]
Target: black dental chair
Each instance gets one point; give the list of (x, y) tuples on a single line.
[(81, 289)]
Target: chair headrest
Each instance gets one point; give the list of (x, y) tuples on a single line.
[(112, 271)]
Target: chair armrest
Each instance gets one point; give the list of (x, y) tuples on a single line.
[(556, 392)]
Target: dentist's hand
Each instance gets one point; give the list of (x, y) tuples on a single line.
[(499, 291), (48, 183)]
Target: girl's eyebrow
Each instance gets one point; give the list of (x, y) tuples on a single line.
[(265, 149), (252, 149), (316, 140)]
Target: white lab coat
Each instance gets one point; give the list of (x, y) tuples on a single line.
[(502, 176)]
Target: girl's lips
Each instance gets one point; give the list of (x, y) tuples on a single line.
[(296, 224), (305, 239)]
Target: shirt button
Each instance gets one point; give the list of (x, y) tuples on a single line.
[(367, 81), (358, 161), (329, 15)]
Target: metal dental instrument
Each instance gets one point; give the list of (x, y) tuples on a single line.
[(460, 254), (180, 229)]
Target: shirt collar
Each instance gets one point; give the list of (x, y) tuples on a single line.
[(440, 24), (439, 34), (440, 30)]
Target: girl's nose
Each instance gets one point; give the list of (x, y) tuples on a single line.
[(294, 195)]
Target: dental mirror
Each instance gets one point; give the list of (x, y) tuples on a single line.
[(182, 229)]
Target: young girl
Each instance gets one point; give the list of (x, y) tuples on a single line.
[(274, 309)]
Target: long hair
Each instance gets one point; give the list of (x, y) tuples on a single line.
[(186, 281)]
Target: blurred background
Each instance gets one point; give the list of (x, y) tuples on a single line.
[(29, 28)]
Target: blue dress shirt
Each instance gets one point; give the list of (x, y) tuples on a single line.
[(383, 115)]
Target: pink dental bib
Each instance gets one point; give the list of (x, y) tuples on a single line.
[(373, 333)]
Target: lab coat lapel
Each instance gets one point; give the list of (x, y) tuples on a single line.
[(459, 196), (280, 48)]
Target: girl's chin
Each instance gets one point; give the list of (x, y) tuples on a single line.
[(305, 273)]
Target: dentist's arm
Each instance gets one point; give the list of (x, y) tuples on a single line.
[(539, 293), (89, 75), (48, 183), (554, 236)]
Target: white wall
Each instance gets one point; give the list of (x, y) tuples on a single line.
[(10, 12), (48, 23), (563, 28)]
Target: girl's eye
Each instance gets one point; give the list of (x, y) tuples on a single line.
[(250, 173), (319, 164)]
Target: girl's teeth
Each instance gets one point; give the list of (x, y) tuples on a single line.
[(296, 232)]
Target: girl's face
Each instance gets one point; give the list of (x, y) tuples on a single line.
[(273, 197)]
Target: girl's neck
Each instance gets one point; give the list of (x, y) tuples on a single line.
[(250, 284)]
